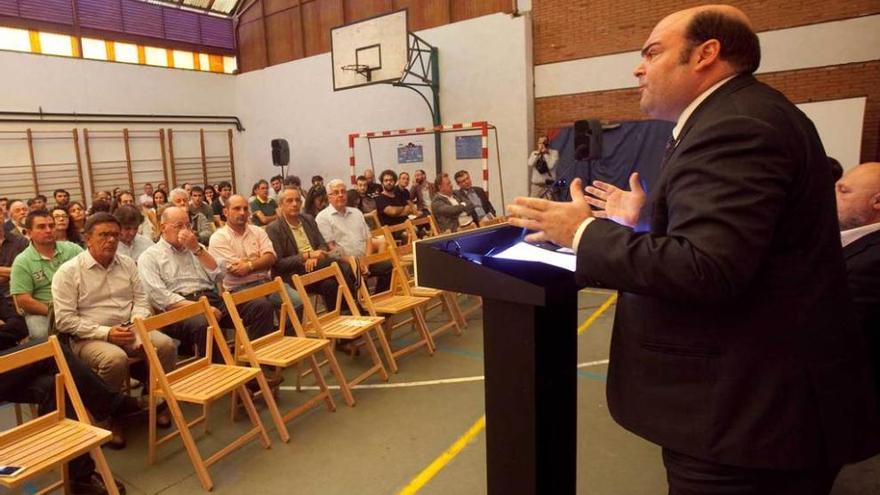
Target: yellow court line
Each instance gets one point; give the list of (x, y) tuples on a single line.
[(593, 317), (439, 463), (446, 457)]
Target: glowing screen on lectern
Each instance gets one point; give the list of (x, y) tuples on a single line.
[(523, 251)]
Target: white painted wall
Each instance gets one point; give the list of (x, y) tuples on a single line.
[(486, 72), (839, 123)]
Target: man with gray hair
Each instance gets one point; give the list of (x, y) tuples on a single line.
[(200, 225)]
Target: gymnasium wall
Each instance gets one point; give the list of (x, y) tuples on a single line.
[(822, 55)]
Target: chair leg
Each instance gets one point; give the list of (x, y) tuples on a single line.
[(386, 348), (337, 372), (233, 411), (454, 315), (206, 411), (151, 434), (65, 475), (422, 326), (322, 384), (273, 408), (103, 469), (252, 411), (186, 436), (374, 354), (18, 417)]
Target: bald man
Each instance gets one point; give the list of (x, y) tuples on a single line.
[(858, 211), (733, 346)]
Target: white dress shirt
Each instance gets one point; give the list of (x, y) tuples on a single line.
[(852, 235), (168, 273)]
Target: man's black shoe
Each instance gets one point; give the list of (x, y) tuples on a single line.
[(93, 485)]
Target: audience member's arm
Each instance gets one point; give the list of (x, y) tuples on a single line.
[(64, 301), (444, 208), (31, 306), (266, 257), (5, 272), (21, 287)]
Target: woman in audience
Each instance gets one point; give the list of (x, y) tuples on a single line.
[(210, 194), (65, 230), (160, 199), (77, 213), (316, 200)]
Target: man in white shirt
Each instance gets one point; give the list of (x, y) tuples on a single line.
[(131, 243), (146, 199)]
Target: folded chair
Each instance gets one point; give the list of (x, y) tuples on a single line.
[(278, 350), (52, 440), (333, 325), (200, 382), (394, 301), (445, 299)]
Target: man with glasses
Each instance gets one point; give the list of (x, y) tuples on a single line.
[(34, 269)]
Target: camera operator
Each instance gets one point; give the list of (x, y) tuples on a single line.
[(542, 161)]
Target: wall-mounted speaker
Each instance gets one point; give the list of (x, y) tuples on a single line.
[(280, 152)]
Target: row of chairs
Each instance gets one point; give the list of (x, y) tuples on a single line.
[(203, 381)]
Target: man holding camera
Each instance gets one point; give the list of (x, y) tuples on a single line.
[(542, 161)]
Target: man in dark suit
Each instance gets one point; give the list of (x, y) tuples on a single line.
[(483, 209), (732, 345), (858, 211), (301, 248)]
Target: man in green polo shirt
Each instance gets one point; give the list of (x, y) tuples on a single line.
[(33, 269), (262, 205)]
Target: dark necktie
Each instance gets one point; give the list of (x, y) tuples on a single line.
[(670, 148)]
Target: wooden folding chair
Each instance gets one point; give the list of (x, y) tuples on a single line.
[(388, 232), (333, 325), (493, 221), (200, 382), (51, 441), (445, 299), (429, 223), (372, 219), (396, 300), (279, 351)]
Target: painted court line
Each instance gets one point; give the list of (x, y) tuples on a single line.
[(439, 463)]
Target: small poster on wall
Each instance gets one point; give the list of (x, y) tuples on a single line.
[(409, 153), (468, 147)]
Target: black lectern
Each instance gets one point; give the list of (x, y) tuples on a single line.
[(530, 349)]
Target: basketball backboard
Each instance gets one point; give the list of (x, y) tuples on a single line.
[(370, 51)]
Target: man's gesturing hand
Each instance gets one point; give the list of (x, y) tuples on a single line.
[(620, 206), (553, 221)]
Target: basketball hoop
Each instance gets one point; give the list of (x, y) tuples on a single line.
[(362, 70)]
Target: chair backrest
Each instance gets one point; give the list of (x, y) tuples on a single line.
[(494, 221), (388, 232), (398, 285), (286, 314), (313, 319), (396, 258), (50, 349), (429, 221), (372, 219), (143, 327)]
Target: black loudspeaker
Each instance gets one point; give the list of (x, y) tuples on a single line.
[(280, 152), (587, 140)]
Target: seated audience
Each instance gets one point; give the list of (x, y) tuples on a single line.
[(197, 204), (10, 246), (403, 185), (483, 209), (160, 199), (316, 200), (225, 191), (358, 197), (245, 250), (38, 202), (858, 212), (161, 187), (393, 206), (201, 226), (373, 188), (100, 206), (422, 192), (186, 186), (146, 199), (450, 211), (62, 197), (77, 213), (300, 248), (131, 243), (34, 269), (292, 182), (346, 232), (102, 196), (96, 296), (211, 199), (276, 184), (178, 270), (65, 230), (18, 210), (262, 206), (4, 202)]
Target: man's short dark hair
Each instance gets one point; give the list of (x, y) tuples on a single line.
[(56, 191), (836, 168), (739, 44), (197, 189), (360, 178), (390, 172), (29, 219), (292, 180), (128, 216), (276, 177), (460, 174), (223, 184), (101, 205), (97, 219), (439, 180), (316, 178), (260, 183)]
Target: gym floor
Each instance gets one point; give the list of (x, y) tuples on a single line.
[(419, 433)]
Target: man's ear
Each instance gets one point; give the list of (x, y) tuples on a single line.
[(707, 54), (875, 202)]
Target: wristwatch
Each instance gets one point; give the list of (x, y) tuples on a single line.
[(199, 250)]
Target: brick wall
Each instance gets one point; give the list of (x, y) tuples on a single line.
[(800, 86), (568, 30)]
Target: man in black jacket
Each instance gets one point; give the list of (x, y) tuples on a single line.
[(733, 346), (467, 192), (301, 248), (858, 211)]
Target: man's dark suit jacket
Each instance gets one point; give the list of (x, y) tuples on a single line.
[(289, 260), (484, 199), (863, 275), (731, 340)]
